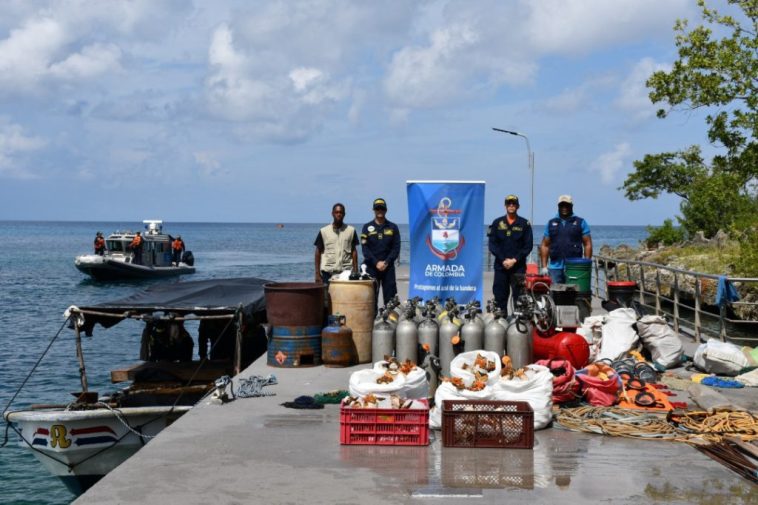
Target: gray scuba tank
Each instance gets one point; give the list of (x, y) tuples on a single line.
[(494, 335), (472, 331), (406, 338), (428, 334), (391, 311), (518, 341), (447, 350), (489, 314), (382, 338)]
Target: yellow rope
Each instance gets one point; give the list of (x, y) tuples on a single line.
[(689, 427)]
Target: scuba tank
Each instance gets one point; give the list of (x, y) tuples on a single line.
[(410, 310), (490, 312), (518, 334), (382, 337), (472, 331), (447, 349), (406, 337), (428, 333), (494, 334), (390, 309)]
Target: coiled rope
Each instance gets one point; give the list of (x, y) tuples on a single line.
[(694, 428)]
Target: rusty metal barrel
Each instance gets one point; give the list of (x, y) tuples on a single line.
[(355, 301), (295, 311)]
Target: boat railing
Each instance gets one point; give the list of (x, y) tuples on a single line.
[(686, 297)]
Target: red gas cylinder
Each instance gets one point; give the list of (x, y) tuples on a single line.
[(566, 345)]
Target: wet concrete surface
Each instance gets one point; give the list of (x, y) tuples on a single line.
[(253, 450)]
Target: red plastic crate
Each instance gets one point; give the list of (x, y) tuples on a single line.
[(479, 423), (384, 426)]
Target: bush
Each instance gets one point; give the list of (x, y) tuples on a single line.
[(747, 260), (666, 234)]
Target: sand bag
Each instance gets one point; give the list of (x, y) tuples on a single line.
[(463, 365), (659, 338), (721, 358), (536, 388), (619, 335)]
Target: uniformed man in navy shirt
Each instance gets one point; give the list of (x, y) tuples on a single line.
[(380, 242), (566, 236), (510, 242)]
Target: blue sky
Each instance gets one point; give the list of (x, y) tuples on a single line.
[(271, 111)]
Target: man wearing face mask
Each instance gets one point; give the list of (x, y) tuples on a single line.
[(380, 242), (566, 236), (336, 247)]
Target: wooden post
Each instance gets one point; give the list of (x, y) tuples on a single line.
[(697, 308), (80, 357), (722, 322), (657, 291), (676, 303), (642, 285), (238, 346)]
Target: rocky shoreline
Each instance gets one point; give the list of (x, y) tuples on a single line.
[(690, 256)]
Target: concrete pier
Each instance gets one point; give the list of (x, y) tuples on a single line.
[(256, 451)]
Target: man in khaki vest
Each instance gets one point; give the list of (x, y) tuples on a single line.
[(336, 247)]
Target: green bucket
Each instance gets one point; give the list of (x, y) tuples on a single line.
[(579, 272)]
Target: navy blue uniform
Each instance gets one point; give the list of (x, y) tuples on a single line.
[(509, 241), (381, 242)]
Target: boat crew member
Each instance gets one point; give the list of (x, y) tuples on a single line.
[(510, 242), (136, 246), (336, 247), (566, 236), (177, 249), (380, 243), (99, 244)]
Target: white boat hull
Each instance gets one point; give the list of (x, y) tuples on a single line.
[(80, 447)]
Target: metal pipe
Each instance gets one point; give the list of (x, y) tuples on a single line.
[(80, 358)]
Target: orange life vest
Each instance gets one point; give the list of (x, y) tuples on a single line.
[(137, 241), (99, 243), (177, 245)]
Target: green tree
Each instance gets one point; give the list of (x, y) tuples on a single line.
[(719, 74)]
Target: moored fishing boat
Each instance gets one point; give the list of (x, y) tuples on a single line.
[(153, 260), (81, 441)]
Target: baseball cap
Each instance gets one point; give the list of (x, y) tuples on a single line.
[(565, 199), (511, 198), (379, 203)]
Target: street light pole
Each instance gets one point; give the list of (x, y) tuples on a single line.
[(531, 164)]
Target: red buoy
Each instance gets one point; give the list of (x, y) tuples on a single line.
[(565, 345)]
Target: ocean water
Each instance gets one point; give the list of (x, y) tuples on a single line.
[(38, 281)]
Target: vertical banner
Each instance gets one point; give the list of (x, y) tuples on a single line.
[(446, 221)]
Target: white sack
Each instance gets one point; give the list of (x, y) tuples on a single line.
[(720, 358), (447, 391), (416, 384), (659, 338), (749, 379), (363, 382), (468, 358), (619, 336), (536, 389), (592, 331)]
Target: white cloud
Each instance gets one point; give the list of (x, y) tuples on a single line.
[(209, 165), (13, 143), (608, 165), (577, 26), (633, 93), (91, 61)]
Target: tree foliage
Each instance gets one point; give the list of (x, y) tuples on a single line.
[(716, 70)]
